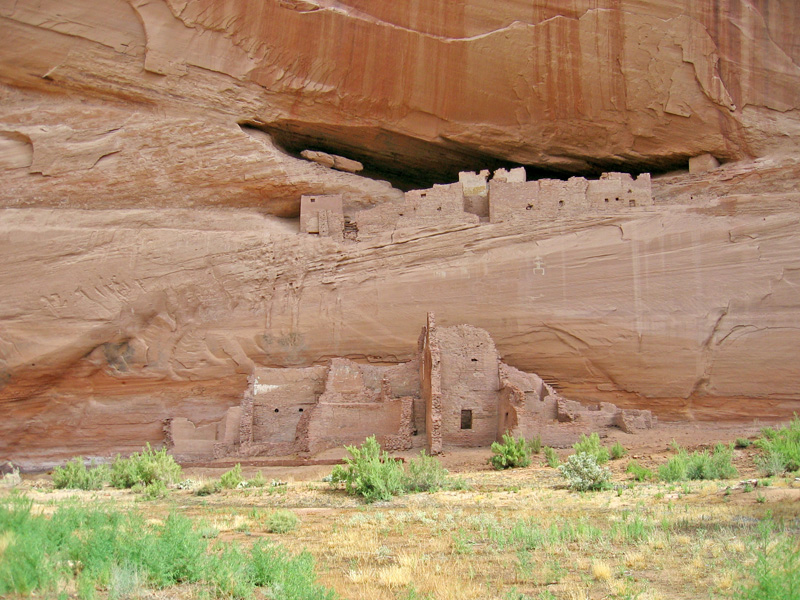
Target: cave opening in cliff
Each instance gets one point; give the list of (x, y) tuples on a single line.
[(410, 163)]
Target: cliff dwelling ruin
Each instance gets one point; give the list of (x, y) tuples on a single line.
[(474, 199), (455, 392)]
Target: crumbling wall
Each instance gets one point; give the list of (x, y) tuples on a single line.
[(431, 379), (332, 425), (475, 192), (439, 205)]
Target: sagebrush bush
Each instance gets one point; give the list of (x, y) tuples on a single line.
[(742, 443), (583, 472), (425, 473), (780, 449), (231, 479), (511, 453), (281, 521), (75, 475), (369, 472), (145, 467), (535, 444), (551, 457), (699, 465), (591, 445)]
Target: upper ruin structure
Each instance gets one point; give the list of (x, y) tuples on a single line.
[(475, 199)]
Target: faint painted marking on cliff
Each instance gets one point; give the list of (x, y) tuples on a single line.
[(263, 388), (538, 266)]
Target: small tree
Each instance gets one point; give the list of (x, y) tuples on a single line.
[(511, 453)]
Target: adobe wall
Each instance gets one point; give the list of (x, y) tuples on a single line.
[(469, 382), (431, 385), (274, 406), (553, 198), (332, 425), (322, 214), (439, 205)]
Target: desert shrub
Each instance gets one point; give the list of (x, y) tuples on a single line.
[(511, 453), (770, 463), (780, 447), (122, 553), (583, 472), (153, 491), (257, 481), (425, 473), (535, 444), (231, 479), (617, 451), (74, 475), (369, 473), (551, 457), (742, 443), (591, 445), (775, 573), (281, 521), (699, 465), (208, 488), (639, 472), (145, 467)]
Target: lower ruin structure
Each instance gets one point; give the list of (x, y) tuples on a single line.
[(455, 392)]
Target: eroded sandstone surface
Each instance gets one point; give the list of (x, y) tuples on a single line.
[(151, 176)]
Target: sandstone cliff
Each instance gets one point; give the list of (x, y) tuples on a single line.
[(180, 125)]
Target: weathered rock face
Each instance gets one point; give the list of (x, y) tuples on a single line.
[(153, 91), (169, 114), (115, 320)]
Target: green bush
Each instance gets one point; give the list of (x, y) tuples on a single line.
[(281, 521), (370, 473), (780, 449), (511, 453), (75, 475), (699, 465), (591, 445), (121, 553), (536, 444), (617, 451), (583, 472), (775, 574), (231, 479), (145, 467), (425, 473), (551, 456), (639, 472), (742, 443)]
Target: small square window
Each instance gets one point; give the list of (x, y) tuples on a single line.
[(466, 419)]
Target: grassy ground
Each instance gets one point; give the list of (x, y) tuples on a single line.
[(514, 534)]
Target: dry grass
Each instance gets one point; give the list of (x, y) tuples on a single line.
[(513, 533)]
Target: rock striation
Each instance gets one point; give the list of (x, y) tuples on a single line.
[(152, 176)]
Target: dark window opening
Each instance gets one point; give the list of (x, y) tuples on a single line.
[(422, 195), (606, 200), (313, 200), (561, 203), (301, 410), (617, 199), (440, 208), (466, 419), (474, 360), (276, 410), (632, 203), (529, 207)]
